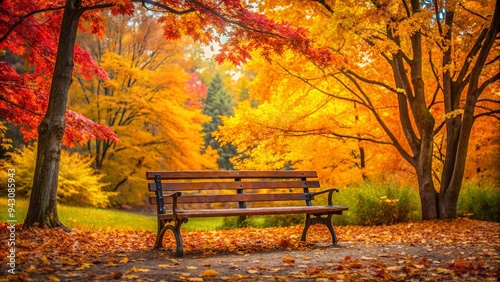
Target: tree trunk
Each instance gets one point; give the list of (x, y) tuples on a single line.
[(429, 198), (42, 210), (454, 171)]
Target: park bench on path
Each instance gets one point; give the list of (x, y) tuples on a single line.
[(180, 195)]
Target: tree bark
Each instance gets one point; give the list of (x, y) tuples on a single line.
[(450, 189), (42, 210)]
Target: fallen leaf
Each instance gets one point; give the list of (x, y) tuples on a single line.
[(84, 265), (233, 278), (45, 260), (285, 243), (240, 260), (251, 270), (115, 275), (209, 273), (53, 278), (287, 259), (136, 269), (312, 270)]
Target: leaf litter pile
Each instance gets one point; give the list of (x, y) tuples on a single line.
[(459, 249)]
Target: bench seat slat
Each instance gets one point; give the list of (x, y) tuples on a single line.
[(185, 186), (205, 174), (259, 211), (224, 198)]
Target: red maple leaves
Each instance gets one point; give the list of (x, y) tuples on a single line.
[(30, 31)]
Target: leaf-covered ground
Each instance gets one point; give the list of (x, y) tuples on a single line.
[(460, 250)]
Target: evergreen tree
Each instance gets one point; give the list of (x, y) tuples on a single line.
[(218, 103)]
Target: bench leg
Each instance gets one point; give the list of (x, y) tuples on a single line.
[(163, 226), (316, 219), (160, 233), (179, 249)]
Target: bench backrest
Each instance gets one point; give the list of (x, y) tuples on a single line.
[(232, 186)]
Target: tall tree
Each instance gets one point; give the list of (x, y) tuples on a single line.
[(424, 71), (218, 103), (204, 21)]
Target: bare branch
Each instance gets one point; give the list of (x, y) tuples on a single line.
[(472, 12), (307, 81), (372, 82), (324, 4), (491, 113), (162, 6), (486, 83), (463, 77), (488, 100)]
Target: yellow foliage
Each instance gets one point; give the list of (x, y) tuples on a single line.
[(144, 102), (5, 143), (79, 184)]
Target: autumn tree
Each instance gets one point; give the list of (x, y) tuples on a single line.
[(204, 21), (420, 72), (143, 101)]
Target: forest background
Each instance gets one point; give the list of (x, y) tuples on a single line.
[(172, 107)]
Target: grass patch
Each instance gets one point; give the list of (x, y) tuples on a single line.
[(480, 202), (89, 218)]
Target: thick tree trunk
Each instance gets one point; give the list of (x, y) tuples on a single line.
[(429, 198), (42, 210)]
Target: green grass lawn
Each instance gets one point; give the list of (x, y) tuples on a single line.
[(88, 218)]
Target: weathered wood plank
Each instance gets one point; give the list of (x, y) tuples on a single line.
[(224, 198), (212, 174), (187, 186), (262, 211)]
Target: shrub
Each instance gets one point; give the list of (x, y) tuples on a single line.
[(283, 220), (79, 184), (233, 222), (373, 203), (378, 204), (482, 203)]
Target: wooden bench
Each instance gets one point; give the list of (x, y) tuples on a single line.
[(180, 195)]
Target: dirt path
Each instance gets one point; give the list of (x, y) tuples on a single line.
[(460, 250), (348, 262)]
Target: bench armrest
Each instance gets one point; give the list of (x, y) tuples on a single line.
[(330, 194), (175, 195), (174, 203)]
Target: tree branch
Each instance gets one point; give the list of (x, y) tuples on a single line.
[(489, 81), (324, 4), (472, 12), (490, 114), (162, 6), (23, 18), (21, 107)]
